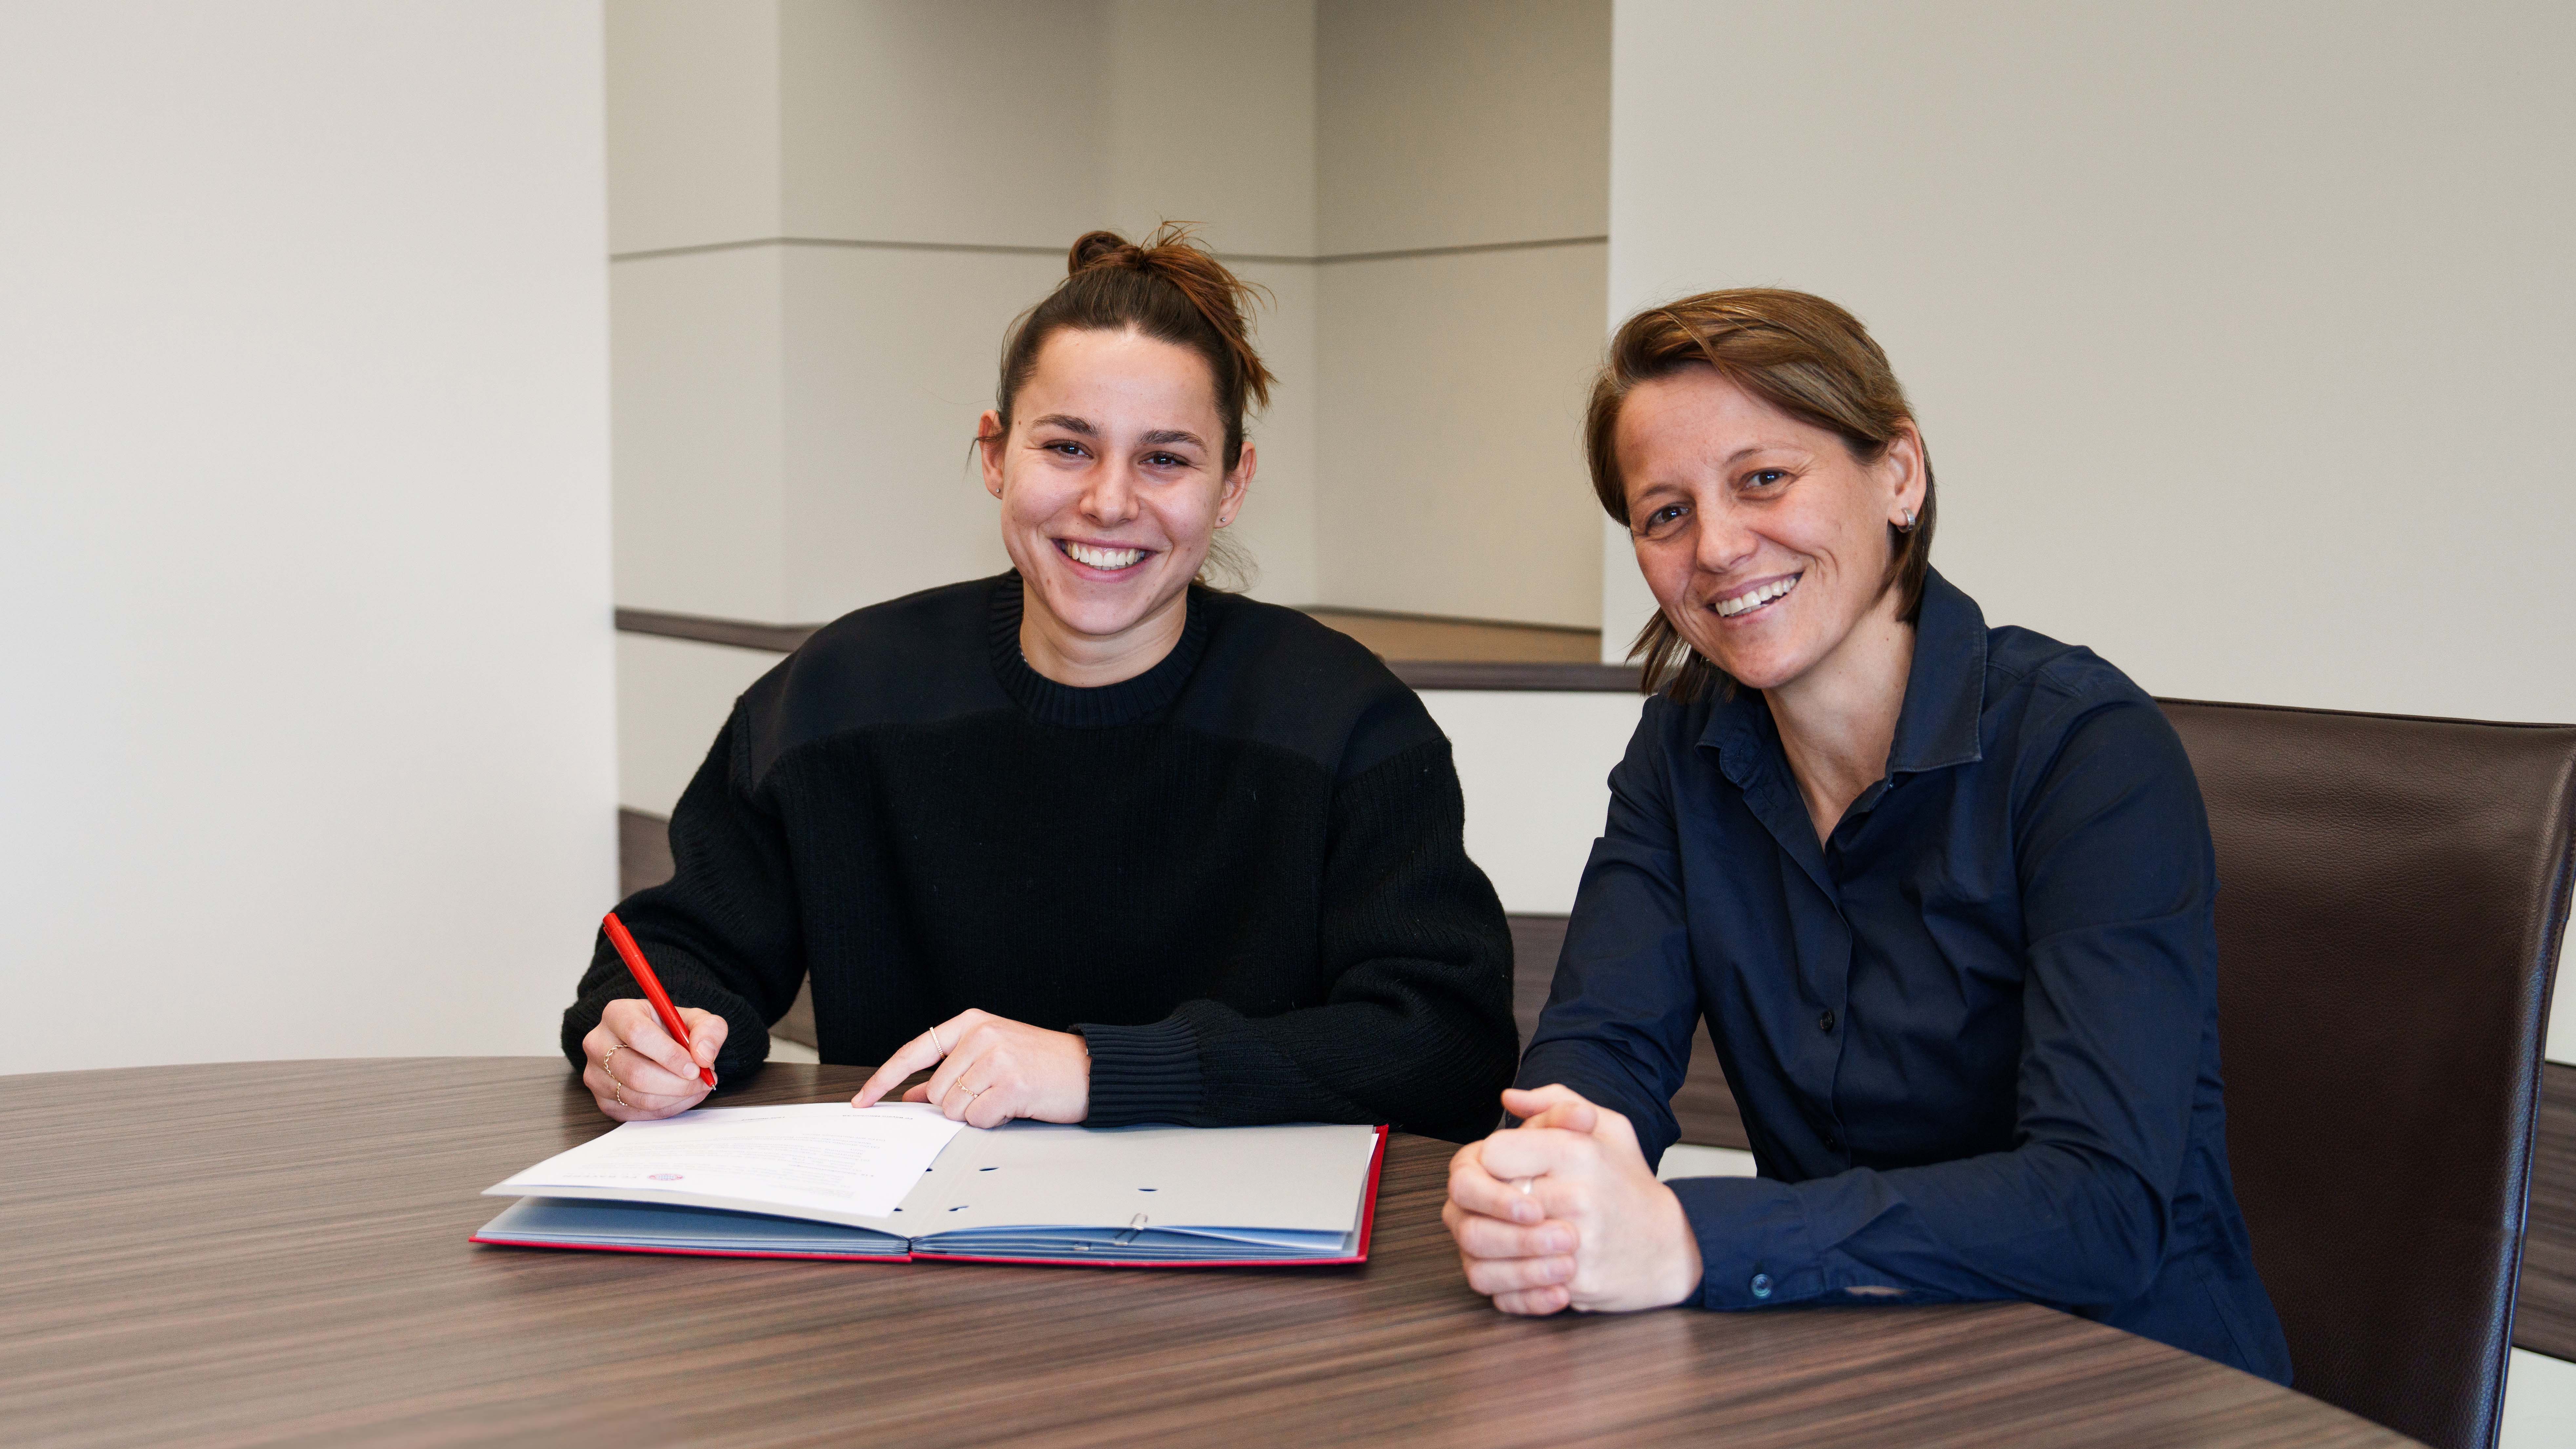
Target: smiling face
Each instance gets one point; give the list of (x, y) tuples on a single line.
[(1765, 541), (1113, 481)]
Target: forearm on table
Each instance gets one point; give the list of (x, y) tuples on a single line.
[(2042, 1223)]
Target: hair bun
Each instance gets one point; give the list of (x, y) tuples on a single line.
[(1101, 249)]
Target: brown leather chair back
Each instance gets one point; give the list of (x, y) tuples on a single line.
[(2390, 900)]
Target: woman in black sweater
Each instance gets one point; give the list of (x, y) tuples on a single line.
[(1100, 843)]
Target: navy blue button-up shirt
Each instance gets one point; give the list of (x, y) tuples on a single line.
[(1974, 1033)]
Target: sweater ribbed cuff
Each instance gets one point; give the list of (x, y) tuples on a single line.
[(1142, 1073)]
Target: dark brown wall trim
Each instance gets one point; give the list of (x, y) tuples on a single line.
[(1419, 674), (776, 638), (1496, 674)]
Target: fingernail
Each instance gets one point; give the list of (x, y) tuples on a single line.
[(1554, 1242), (1525, 1212)]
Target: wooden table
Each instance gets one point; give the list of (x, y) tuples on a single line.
[(276, 1253)]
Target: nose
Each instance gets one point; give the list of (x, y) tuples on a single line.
[(1724, 541), (1110, 500)]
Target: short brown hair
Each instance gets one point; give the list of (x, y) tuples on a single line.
[(1170, 289), (1803, 355)]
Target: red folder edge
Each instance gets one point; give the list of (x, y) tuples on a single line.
[(1368, 1223)]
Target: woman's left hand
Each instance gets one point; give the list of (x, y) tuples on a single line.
[(1562, 1211), (991, 1069)]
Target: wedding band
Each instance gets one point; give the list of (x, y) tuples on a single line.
[(935, 1042)]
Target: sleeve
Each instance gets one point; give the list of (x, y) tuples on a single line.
[(722, 933), (1416, 1026), (2118, 880), (1624, 1003)]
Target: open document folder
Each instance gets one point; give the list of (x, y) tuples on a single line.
[(898, 1181)]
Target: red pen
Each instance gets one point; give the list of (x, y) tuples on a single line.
[(653, 992)]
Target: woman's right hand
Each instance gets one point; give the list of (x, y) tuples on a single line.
[(636, 1072)]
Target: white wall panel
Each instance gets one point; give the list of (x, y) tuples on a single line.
[(693, 122), (672, 697), (699, 357), (1536, 771), (1445, 123), (929, 121), (891, 357), (1211, 118), (303, 522), (1278, 521), (1452, 476)]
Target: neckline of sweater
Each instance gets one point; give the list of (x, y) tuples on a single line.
[(1126, 702)]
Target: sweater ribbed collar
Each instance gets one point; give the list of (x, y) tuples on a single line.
[(1126, 702)]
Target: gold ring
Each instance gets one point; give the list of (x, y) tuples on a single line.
[(619, 1093), (935, 1043), (612, 1055)]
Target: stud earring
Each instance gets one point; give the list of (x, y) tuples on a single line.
[(1908, 525)]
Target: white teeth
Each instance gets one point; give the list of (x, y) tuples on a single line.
[(1103, 558), (1756, 598)]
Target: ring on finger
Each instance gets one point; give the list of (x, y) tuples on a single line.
[(606, 1061), (619, 1093)]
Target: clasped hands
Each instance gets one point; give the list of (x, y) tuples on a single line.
[(991, 1069), (1562, 1212)]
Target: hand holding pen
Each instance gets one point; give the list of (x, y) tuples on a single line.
[(648, 1059)]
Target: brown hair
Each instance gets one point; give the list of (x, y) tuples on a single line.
[(1172, 290), (1803, 355)]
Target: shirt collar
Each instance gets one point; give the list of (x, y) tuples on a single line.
[(1945, 697), (1945, 690)]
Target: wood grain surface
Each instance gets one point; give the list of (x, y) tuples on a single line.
[(276, 1254), (2547, 1320)]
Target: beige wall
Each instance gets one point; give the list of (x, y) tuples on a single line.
[(1451, 475), (304, 490), (1473, 136), (1446, 123)]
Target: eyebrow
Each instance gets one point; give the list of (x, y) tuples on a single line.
[(1068, 422), (1173, 435)]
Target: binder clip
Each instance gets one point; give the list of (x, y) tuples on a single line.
[(1134, 1226)]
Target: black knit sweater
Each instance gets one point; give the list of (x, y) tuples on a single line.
[(1239, 875)]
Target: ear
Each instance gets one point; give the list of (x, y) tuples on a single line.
[(1229, 496), (1900, 468), (989, 441)]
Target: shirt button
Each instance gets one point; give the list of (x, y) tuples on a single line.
[(1825, 1022), (1761, 1285)]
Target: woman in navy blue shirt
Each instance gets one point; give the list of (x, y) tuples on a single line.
[(1941, 892)]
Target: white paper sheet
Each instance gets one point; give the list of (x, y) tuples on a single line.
[(828, 1156)]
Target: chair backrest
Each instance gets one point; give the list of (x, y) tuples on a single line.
[(2390, 901)]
